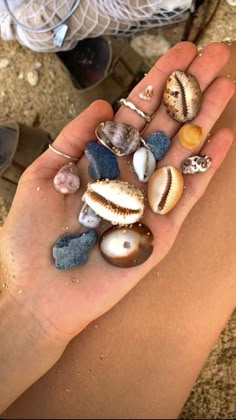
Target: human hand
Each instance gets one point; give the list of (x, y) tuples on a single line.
[(65, 301)]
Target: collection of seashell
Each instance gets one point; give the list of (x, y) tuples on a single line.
[(128, 242)]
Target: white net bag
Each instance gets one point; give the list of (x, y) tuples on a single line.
[(53, 25)]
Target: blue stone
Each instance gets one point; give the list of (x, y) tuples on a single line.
[(72, 250), (158, 142), (103, 163)]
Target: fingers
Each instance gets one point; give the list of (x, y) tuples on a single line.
[(73, 138), (178, 57), (205, 68), (214, 101), (209, 62), (195, 185)]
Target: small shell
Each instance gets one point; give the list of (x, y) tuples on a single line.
[(122, 139), (127, 247), (147, 93), (116, 201), (165, 188), (190, 136), (88, 217), (195, 164), (67, 180), (182, 96), (144, 164)]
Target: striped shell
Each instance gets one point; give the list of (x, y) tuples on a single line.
[(182, 96), (165, 188), (116, 201)]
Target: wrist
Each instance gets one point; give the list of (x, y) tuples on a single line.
[(28, 349)]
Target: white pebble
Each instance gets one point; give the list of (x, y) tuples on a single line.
[(4, 63), (231, 2), (32, 77)]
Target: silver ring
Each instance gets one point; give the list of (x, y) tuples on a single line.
[(138, 111), (62, 154)]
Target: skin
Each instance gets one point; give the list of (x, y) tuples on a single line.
[(37, 307)]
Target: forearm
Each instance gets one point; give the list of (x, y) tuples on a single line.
[(190, 313), (26, 350)]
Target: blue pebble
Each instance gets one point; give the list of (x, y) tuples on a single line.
[(158, 143), (72, 250), (103, 163)]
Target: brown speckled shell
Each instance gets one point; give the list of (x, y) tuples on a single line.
[(165, 188), (182, 96)]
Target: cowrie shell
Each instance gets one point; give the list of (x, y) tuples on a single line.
[(144, 164), (116, 201), (121, 139), (165, 188), (196, 164), (182, 96), (126, 246)]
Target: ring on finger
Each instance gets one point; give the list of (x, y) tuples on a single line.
[(53, 149), (138, 111)]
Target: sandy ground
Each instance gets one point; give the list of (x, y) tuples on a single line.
[(53, 102)]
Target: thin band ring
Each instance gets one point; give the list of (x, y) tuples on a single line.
[(138, 111), (62, 154)]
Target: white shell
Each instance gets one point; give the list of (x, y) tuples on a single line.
[(147, 93), (165, 189), (144, 163), (88, 217), (115, 201)]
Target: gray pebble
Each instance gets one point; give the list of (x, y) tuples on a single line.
[(72, 250)]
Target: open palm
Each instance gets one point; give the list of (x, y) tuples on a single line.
[(68, 300)]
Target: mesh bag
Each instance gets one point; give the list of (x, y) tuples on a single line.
[(53, 25)]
